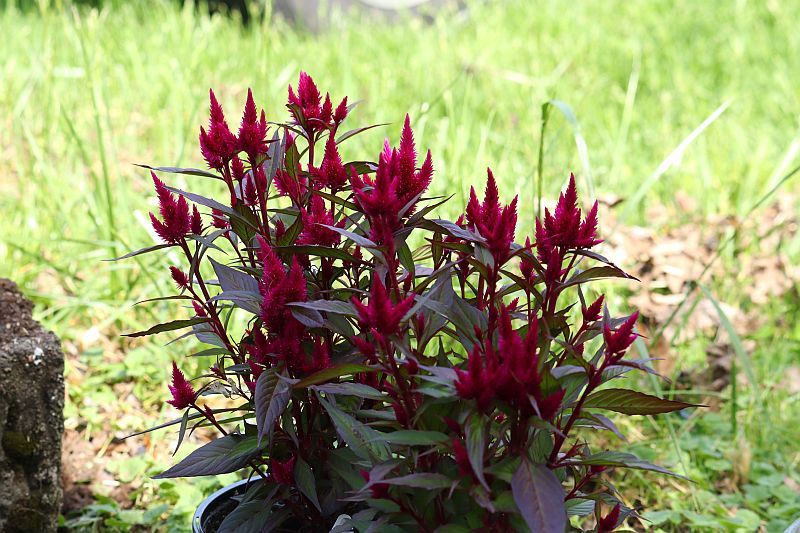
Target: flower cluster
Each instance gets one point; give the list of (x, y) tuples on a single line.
[(368, 364)]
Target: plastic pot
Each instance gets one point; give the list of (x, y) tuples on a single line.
[(213, 510)]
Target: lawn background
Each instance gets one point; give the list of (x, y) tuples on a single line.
[(661, 101)]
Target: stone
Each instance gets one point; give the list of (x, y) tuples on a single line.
[(31, 417)]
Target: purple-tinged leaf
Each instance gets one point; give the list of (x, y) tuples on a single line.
[(539, 497), (630, 402), (231, 279), (362, 439), (346, 135), (221, 456), (168, 326), (310, 318), (358, 239), (271, 399)]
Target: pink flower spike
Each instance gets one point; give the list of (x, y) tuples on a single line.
[(617, 342), (341, 112), (252, 133), (182, 391), (593, 312), (197, 222), (381, 314), (179, 277), (174, 212)]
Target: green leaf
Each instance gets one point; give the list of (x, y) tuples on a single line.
[(621, 460), (331, 373), (595, 273), (539, 497), (304, 478), (253, 517), (328, 306), (630, 402), (271, 399), (410, 437), (178, 170), (221, 456), (424, 480), (362, 439), (168, 326), (475, 433), (182, 431), (350, 389), (141, 251)]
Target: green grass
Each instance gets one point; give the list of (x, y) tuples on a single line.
[(85, 94)]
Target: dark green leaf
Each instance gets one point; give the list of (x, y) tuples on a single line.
[(631, 402), (475, 433), (328, 306), (254, 517), (361, 439), (231, 279), (221, 456), (331, 373), (410, 437), (182, 431), (351, 389), (178, 170), (424, 480), (621, 460), (168, 326), (304, 478), (595, 273), (141, 251)]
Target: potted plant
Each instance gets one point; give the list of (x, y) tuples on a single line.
[(374, 364)]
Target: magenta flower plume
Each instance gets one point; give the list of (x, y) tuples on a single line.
[(182, 391), (564, 227), (179, 277), (592, 313), (331, 174), (381, 315), (252, 138), (314, 221), (396, 187), (197, 222), (174, 212), (290, 186), (619, 340), (494, 223), (218, 145), (278, 288), (308, 109)]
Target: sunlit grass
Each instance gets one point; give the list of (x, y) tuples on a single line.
[(85, 94)]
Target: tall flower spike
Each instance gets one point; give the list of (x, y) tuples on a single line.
[(252, 132), (174, 213), (381, 314), (182, 391), (495, 223), (331, 174), (179, 277), (314, 221), (218, 145), (618, 341), (564, 227), (197, 222)]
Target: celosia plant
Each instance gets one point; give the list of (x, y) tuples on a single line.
[(369, 359)]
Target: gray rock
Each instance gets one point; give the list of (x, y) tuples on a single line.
[(31, 417)]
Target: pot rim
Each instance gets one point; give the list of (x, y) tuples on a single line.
[(197, 524)]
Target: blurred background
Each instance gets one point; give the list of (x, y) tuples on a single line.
[(681, 117)]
